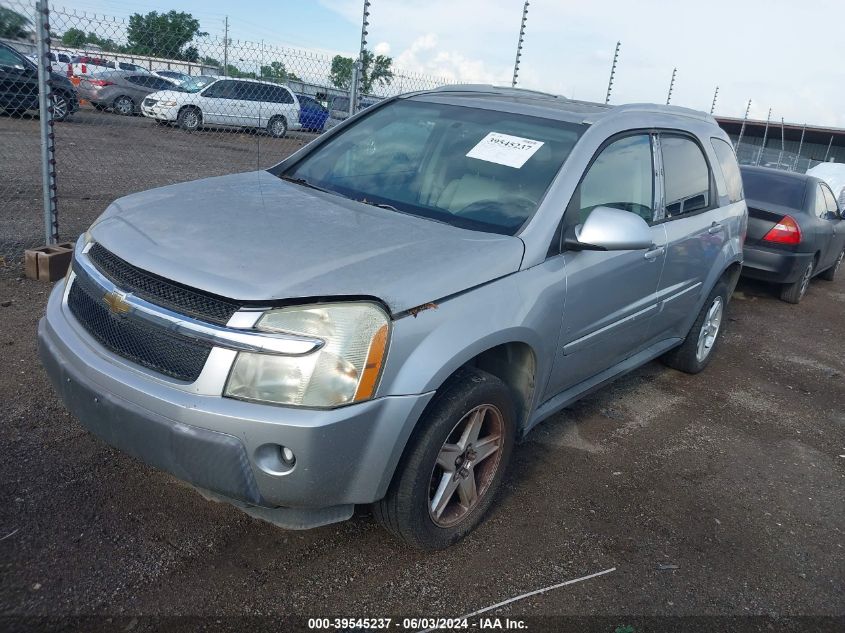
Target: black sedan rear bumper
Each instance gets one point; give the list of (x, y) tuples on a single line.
[(773, 265)]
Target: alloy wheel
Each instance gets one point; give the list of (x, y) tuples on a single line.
[(466, 465), (123, 106), (59, 107), (709, 329)]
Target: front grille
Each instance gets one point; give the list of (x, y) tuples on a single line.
[(147, 345), (150, 102), (163, 292)]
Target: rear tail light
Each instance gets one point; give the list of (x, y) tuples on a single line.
[(786, 231), (100, 82), (69, 70)]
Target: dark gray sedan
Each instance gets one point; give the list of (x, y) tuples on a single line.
[(795, 230), (120, 90)]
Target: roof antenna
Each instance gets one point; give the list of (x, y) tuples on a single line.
[(671, 86), (612, 73), (519, 44)]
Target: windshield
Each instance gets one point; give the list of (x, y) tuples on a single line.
[(774, 188), (479, 169), (195, 84)]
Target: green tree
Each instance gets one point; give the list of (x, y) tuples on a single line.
[(276, 71), (341, 72), (163, 34), (14, 25), (77, 38), (377, 71)]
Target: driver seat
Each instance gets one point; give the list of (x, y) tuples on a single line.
[(467, 189)]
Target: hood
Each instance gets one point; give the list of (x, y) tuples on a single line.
[(254, 237), (169, 94)]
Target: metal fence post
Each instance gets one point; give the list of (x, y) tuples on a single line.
[(45, 107)]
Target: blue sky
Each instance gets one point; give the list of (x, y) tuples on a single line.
[(749, 48)]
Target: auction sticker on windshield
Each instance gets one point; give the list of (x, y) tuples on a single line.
[(504, 149)]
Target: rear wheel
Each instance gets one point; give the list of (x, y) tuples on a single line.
[(794, 292), (449, 475), (694, 354), (189, 119), (277, 127), (123, 105), (830, 273)]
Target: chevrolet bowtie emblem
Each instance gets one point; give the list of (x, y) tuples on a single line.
[(116, 301)]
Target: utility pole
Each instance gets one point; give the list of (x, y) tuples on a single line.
[(742, 129), (765, 137), (519, 44), (800, 146), (782, 142), (226, 47), (358, 64), (612, 73), (713, 105), (671, 85)]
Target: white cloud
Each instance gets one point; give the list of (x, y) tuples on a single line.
[(382, 48)]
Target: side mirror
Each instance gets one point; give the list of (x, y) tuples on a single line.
[(608, 229)]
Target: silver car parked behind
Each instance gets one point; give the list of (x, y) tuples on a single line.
[(120, 90), (379, 317)]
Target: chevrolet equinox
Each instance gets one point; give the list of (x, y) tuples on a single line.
[(380, 317)]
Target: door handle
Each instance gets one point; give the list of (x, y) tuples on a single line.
[(714, 228), (654, 253)]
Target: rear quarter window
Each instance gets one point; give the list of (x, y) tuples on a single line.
[(730, 169)]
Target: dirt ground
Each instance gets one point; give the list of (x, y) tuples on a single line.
[(712, 495)]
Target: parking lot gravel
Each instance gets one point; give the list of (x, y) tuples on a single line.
[(712, 495)]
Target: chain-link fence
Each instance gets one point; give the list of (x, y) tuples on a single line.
[(152, 100), (774, 157)]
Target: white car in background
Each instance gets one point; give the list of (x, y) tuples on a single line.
[(230, 102)]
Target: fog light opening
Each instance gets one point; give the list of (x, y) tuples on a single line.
[(275, 459)]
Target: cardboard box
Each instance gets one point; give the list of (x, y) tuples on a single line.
[(48, 263)]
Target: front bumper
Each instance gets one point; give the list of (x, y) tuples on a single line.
[(773, 265), (160, 112), (344, 456)]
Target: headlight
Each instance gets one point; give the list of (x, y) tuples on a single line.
[(168, 103), (345, 369)]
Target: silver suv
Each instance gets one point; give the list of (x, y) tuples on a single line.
[(381, 316)]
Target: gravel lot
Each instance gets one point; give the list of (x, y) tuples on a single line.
[(712, 495)]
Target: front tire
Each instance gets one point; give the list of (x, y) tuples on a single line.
[(830, 273), (448, 477), (694, 354), (61, 106), (189, 119), (794, 292)]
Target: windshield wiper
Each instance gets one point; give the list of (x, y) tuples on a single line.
[(304, 183), (380, 205)]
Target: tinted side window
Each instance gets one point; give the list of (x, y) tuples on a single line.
[(159, 84), (621, 177), (9, 59), (686, 176), (730, 170), (138, 81), (820, 208), (248, 91), (221, 90), (832, 209), (283, 95)]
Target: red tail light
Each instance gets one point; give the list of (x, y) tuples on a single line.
[(70, 70), (84, 69), (786, 231), (100, 82)]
